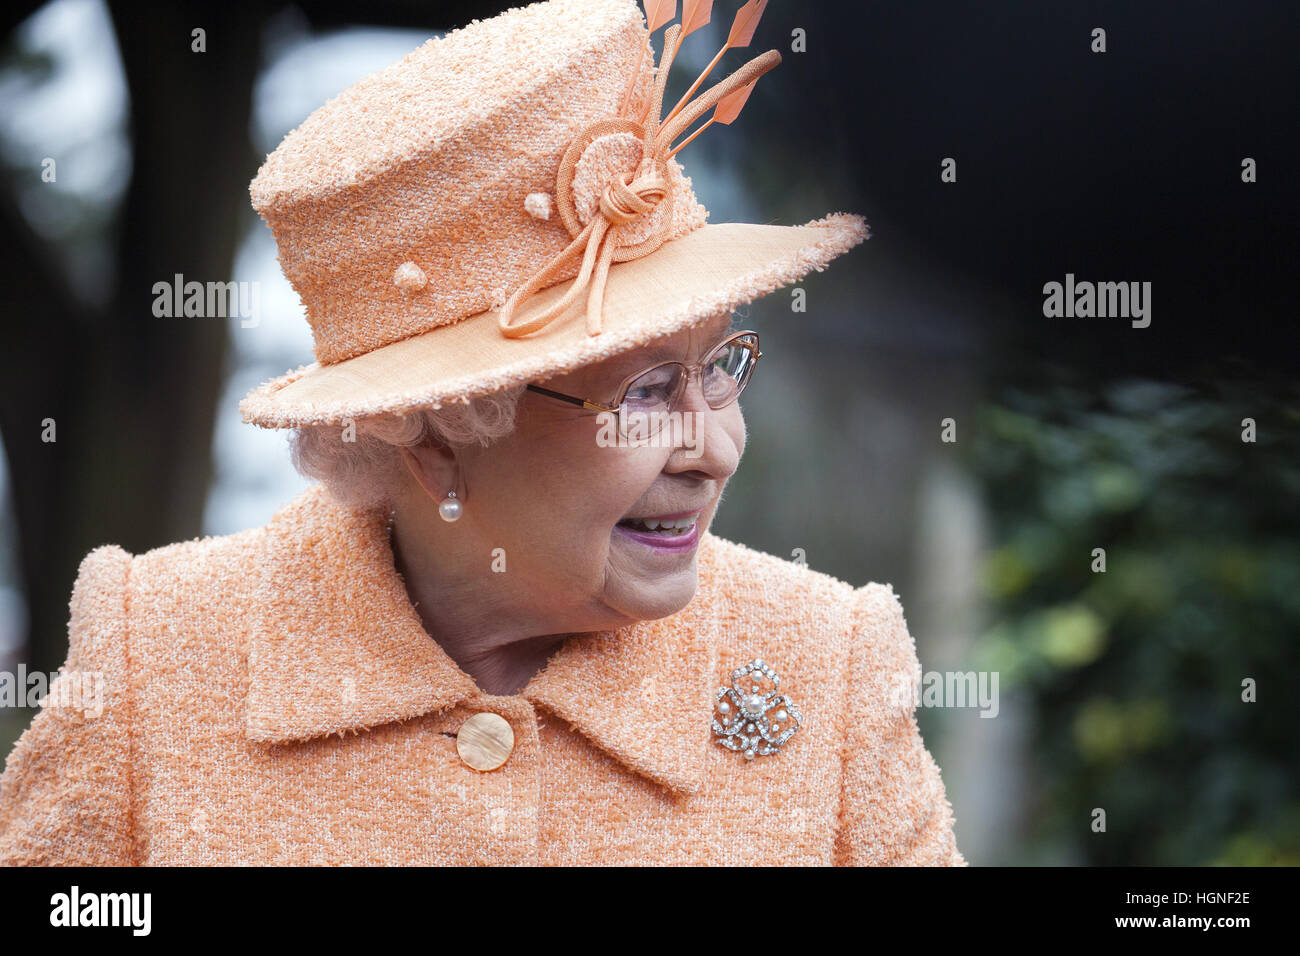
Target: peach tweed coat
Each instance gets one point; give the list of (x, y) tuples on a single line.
[(271, 697)]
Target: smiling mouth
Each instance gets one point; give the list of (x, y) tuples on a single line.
[(667, 527)]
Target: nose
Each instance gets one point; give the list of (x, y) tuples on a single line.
[(711, 440)]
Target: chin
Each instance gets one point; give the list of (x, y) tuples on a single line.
[(663, 597)]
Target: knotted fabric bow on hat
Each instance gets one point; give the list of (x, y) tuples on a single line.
[(630, 195)]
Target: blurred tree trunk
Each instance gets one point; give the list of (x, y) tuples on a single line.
[(132, 395)]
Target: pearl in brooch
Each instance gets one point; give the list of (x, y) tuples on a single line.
[(767, 720)]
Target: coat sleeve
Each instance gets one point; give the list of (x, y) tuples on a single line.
[(65, 796), (894, 810)]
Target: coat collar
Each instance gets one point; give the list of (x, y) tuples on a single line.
[(336, 647)]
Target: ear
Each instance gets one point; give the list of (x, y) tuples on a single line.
[(433, 466)]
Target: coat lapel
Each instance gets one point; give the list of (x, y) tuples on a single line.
[(643, 694), (336, 647)]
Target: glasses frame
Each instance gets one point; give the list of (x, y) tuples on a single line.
[(689, 371)]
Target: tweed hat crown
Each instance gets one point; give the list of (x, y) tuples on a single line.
[(504, 204)]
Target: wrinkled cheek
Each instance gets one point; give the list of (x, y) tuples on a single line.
[(590, 555)]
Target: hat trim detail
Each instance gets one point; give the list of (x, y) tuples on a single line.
[(265, 406)]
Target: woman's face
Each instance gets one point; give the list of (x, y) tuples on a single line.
[(552, 494)]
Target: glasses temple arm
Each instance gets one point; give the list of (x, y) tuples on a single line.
[(571, 399)]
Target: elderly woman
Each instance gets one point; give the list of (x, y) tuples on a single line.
[(499, 631)]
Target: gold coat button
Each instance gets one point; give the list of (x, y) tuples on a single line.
[(485, 741)]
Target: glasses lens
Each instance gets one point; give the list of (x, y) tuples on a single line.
[(649, 398), (652, 395), (727, 372)]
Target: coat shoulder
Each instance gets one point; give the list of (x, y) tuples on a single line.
[(205, 593), (197, 566), (65, 791), (744, 569), (828, 620)]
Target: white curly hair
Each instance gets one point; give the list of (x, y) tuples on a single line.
[(366, 471)]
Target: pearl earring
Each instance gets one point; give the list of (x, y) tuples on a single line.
[(450, 508)]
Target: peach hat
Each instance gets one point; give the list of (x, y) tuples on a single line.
[(503, 205)]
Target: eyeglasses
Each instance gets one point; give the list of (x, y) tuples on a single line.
[(646, 399)]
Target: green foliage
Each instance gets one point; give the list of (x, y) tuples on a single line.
[(1136, 673)]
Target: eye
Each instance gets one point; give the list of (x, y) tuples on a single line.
[(652, 388), (722, 361), (725, 374)]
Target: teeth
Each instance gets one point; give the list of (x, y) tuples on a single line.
[(671, 526)]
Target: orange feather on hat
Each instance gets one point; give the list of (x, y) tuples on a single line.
[(695, 14), (740, 35), (725, 112), (659, 12), (742, 28), (729, 106)]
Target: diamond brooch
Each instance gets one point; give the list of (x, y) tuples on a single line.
[(751, 717)]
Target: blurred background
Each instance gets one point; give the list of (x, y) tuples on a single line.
[(1119, 690)]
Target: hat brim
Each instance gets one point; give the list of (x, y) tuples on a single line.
[(712, 269)]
